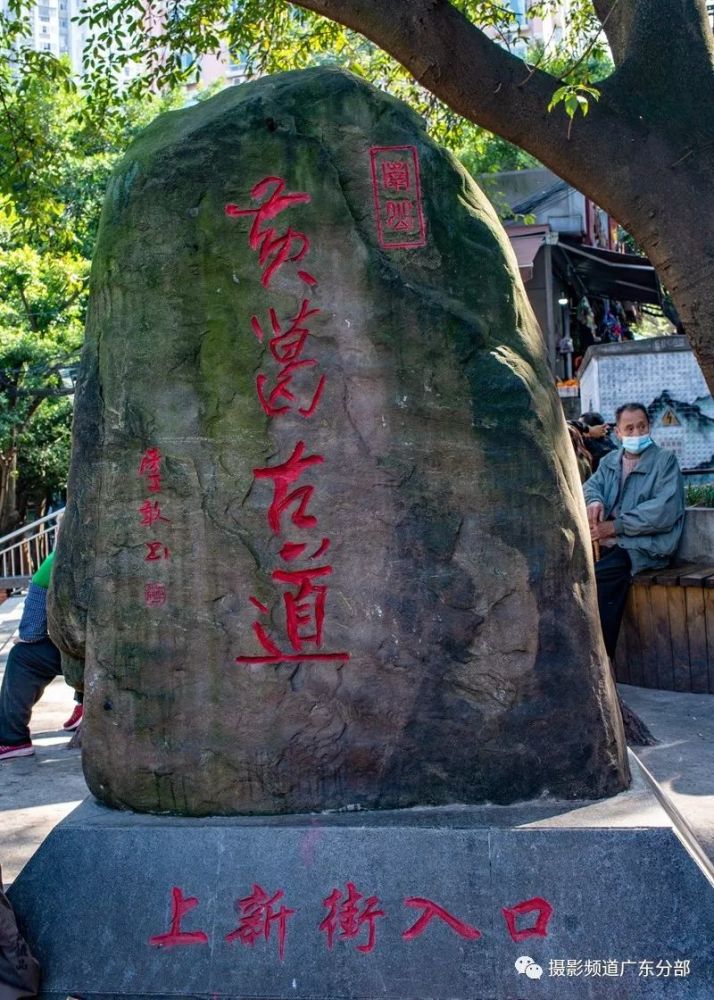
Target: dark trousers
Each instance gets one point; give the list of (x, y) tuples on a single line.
[(30, 668), (613, 573)]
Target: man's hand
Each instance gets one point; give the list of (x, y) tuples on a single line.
[(603, 529), (596, 512), (598, 431)]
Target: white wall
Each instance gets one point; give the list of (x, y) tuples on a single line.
[(641, 372)]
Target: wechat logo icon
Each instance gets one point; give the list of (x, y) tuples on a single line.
[(526, 965)]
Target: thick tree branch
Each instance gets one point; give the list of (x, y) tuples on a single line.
[(671, 27), (486, 84), (40, 394), (72, 298), (616, 17), (31, 317), (457, 61), (658, 42), (31, 409), (642, 150), (13, 391)]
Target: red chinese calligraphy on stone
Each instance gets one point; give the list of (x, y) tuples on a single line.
[(304, 616), (180, 906), (305, 608), (305, 603), (286, 346), (257, 917), (154, 595), (400, 216), (149, 467), (283, 476), (296, 387), (274, 250), (400, 221), (151, 513), (395, 175), (156, 551), (431, 910), (281, 390), (536, 905), (273, 653), (347, 918), (292, 550)]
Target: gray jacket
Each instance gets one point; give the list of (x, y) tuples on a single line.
[(651, 516)]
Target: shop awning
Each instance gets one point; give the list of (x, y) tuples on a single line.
[(526, 242), (613, 275)]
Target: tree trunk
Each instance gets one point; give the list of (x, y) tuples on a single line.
[(670, 219), (688, 278), (9, 517)]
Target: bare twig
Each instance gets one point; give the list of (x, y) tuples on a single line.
[(590, 47)]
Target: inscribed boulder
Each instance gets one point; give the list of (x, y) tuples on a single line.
[(325, 544)]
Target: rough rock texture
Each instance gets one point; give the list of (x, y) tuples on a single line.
[(460, 583)]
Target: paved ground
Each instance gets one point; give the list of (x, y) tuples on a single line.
[(683, 761), (37, 792)]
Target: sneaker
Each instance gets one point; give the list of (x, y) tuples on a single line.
[(74, 720), (21, 750)]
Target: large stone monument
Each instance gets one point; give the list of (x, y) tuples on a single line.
[(325, 549), (324, 544)]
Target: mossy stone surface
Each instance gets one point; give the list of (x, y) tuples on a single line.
[(461, 582)]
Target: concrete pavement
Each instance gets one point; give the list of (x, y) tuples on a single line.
[(682, 763), (37, 792)]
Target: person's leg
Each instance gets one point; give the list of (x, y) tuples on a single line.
[(75, 718), (613, 573), (30, 668)]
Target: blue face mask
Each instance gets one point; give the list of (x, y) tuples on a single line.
[(635, 445)]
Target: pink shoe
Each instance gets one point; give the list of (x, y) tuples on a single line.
[(74, 720), (22, 750)]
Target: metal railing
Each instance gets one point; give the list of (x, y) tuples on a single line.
[(22, 551)]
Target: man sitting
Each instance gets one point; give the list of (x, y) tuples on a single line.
[(635, 505)]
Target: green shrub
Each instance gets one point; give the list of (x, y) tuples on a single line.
[(699, 496)]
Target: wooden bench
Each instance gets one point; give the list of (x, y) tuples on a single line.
[(667, 635)]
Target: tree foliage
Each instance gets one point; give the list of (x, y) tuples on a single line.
[(55, 161), (161, 43), (270, 36), (634, 133)]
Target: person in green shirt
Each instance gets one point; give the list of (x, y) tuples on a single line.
[(42, 577), (34, 662)]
